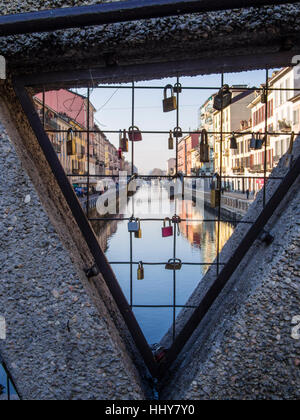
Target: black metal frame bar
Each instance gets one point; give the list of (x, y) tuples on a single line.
[(129, 10)]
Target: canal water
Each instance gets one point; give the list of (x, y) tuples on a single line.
[(195, 243)]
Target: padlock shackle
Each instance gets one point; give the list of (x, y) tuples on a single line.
[(166, 90)]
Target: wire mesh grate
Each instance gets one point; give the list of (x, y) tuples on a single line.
[(219, 136)]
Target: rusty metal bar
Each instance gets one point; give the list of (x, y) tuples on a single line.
[(74, 17), (191, 67)]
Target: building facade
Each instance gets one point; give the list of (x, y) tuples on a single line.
[(96, 155)]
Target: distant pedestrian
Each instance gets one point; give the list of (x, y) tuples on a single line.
[(248, 194)]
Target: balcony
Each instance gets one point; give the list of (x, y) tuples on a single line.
[(238, 170), (52, 123), (285, 126)]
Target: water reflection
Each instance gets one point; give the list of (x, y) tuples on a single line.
[(196, 243)]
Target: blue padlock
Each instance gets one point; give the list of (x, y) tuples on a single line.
[(133, 226)]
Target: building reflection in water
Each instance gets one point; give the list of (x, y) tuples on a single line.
[(197, 244), (203, 235)]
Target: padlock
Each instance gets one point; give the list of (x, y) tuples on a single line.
[(264, 96), (259, 142), (253, 142), (134, 134), (171, 141), (204, 147), (167, 231), (223, 99), (169, 103), (123, 142), (140, 271), (174, 264), (177, 132), (133, 225), (289, 156), (71, 143), (233, 142), (178, 88), (138, 234)]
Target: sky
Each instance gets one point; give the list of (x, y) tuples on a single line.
[(114, 112)]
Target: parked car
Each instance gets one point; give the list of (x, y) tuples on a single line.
[(79, 191)]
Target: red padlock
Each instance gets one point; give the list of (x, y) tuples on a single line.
[(134, 134), (167, 230)]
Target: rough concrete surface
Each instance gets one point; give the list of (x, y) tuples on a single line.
[(57, 346), (243, 348), (234, 32)]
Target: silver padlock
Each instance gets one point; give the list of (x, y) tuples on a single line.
[(133, 226)]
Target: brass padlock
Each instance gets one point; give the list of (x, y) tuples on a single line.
[(71, 143), (177, 132), (171, 141), (215, 195), (140, 271), (253, 142), (264, 96), (174, 264), (138, 234), (204, 147), (169, 103), (123, 142), (215, 198), (178, 88), (233, 142)]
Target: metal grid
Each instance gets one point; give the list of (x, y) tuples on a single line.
[(219, 265)]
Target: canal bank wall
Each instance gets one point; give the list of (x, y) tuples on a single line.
[(246, 346), (65, 338)]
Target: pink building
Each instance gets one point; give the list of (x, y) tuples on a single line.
[(71, 104)]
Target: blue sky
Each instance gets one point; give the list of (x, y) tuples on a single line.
[(114, 112)]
